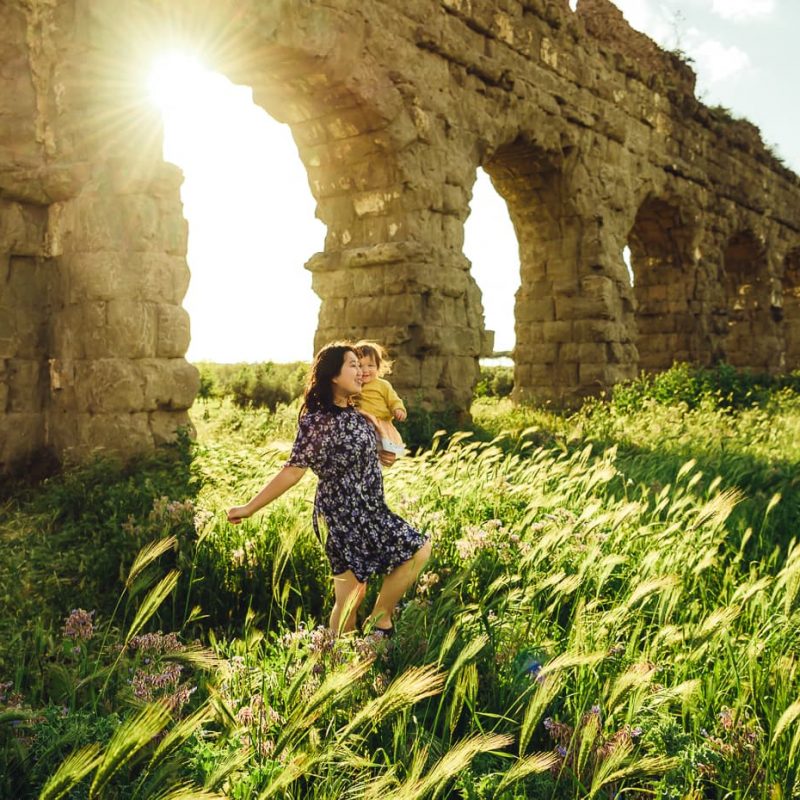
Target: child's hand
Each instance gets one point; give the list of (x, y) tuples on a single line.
[(400, 414)]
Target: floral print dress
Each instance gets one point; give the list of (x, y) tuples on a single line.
[(363, 535)]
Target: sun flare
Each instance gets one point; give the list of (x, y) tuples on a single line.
[(175, 80)]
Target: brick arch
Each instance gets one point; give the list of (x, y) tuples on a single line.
[(791, 308), (661, 261)]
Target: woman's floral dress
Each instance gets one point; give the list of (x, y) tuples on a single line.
[(363, 535)]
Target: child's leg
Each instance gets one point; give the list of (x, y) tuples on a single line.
[(390, 438), (391, 433)]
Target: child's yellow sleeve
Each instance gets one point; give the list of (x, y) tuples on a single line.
[(393, 400)]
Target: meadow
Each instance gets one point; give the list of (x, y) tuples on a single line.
[(612, 609)]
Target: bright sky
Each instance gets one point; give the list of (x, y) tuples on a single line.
[(251, 213)]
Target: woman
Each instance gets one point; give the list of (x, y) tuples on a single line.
[(364, 538)]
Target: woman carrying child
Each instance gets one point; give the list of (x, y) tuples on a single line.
[(378, 396), (364, 538)]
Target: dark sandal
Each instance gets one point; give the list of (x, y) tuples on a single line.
[(384, 633)]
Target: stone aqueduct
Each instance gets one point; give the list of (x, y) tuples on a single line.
[(590, 133)]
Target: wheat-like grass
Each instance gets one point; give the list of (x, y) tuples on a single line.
[(152, 602), (300, 764), (181, 732), (413, 685), (338, 684), (611, 771), (73, 769), (186, 791), (147, 555), (450, 764), (133, 735), (541, 698), (470, 650), (530, 765)]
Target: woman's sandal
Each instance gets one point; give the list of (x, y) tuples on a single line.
[(384, 633)]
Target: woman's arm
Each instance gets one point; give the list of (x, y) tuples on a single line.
[(284, 480)]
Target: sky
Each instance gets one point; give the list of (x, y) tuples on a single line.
[(251, 212)]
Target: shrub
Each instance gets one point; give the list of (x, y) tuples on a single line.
[(262, 385), (495, 382), (721, 386)]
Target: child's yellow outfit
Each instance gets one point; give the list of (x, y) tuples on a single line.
[(379, 398)]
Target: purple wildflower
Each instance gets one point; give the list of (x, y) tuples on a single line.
[(78, 625)]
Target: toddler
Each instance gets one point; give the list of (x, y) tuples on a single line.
[(378, 398)]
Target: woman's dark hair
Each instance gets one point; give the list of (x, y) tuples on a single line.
[(319, 387)]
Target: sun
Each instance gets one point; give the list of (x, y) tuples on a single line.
[(175, 80)]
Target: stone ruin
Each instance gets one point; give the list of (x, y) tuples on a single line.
[(590, 133)]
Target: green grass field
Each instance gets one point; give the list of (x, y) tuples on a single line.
[(612, 609)]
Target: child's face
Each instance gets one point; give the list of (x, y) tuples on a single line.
[(369, 369)]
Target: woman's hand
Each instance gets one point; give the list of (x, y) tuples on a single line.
[(237, 514), (400, 414), (386, 458)]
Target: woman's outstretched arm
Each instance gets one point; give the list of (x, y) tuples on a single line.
[(284, 480)]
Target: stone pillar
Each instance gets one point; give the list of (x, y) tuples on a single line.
[(575, 334), (421, 303), (26, 285), (118, 378), (393, 269), (574, 308), (791, 308)]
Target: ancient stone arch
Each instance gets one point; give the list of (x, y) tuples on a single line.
[(589, 131)]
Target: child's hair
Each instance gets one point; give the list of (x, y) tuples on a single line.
[(366, 349)]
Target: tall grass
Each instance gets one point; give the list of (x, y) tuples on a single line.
[(612, 606)]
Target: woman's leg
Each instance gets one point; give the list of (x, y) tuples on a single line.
[(395, 584), (349, 593)]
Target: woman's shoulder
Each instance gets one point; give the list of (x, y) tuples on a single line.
[(323, 417), (316, 419)]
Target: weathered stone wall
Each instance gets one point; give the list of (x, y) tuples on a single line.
[(590, 133)]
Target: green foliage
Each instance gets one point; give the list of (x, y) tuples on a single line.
[(262, 385), (495, 382), (421, 426), (722, 387), (98, 699), (71, 539), (606, 611)]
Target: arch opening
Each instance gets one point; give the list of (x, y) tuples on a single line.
[(251, 218), (659, 245), (490, 243)]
